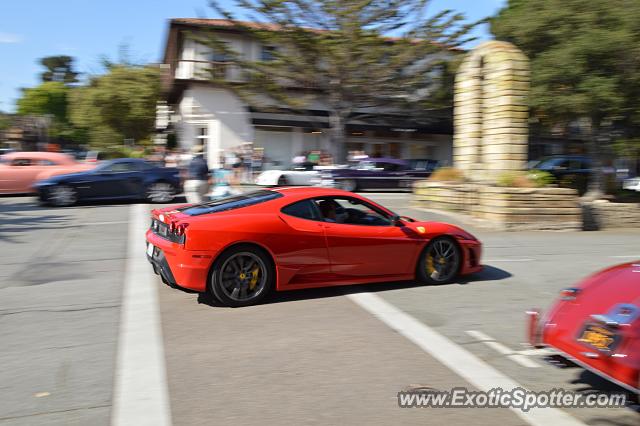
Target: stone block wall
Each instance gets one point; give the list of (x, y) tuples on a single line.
[(507, 209), (615, 215)]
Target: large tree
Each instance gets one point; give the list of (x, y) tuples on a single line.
[(350, 56), (50, 99), (59, 68), (585, 64), (118, 105)]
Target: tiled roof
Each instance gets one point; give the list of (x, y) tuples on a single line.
[(225, 23)]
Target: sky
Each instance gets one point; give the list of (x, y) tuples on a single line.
[(90, 29)]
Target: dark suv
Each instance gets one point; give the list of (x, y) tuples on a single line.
[(569, 170)]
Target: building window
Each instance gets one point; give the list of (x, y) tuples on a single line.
[(268, 53), (202, 138), (218, 55)]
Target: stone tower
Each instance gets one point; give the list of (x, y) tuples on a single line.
[(490, 111)]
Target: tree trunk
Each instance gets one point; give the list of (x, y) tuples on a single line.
[(595, 188), (338, 123)]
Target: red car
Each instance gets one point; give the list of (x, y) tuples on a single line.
[(597, 325), (241, 247)]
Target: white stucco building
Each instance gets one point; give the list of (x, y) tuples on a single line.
[(201, 112)]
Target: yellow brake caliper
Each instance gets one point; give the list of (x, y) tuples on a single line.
[(254, 278), (430, 268)]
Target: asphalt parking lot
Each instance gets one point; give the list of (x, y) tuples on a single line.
[(304, 357)]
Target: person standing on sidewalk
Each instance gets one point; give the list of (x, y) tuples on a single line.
[(196, 185)]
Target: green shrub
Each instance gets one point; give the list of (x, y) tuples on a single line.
[(530, 179), (508, 179), (540, 178)]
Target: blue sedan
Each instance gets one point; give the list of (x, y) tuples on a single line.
[(121, 179)]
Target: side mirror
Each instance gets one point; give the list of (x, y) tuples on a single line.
[(396, 220), (407, 219)]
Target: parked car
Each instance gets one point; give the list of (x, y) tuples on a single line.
[(378, 173), (94, 156), (124, 178), (596, 325), (632, 184), (569, 170), (20, 170), (241, 247), (300, 175)]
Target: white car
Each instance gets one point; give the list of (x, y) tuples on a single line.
[(632, 184), (303, 175)]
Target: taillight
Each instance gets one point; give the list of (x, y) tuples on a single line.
[(534, 334), (569, 294), (179, 229)]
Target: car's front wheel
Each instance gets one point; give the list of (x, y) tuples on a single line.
[(62, 196), (242, 276), (440, 261), (160, 192)]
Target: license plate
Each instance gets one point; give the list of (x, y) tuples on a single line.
[(598, 337), (150, 250)]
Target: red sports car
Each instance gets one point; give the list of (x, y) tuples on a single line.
[(597, 325), (241, 247)]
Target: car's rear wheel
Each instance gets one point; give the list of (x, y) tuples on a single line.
[(349, 185), (440, 261), (242, 276), (283, 181), (62, 196), (160, 192)]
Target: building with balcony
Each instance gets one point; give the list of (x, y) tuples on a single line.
[(201, 112)]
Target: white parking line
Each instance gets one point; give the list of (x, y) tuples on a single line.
[(538, 352), (631, 256), (499, 347), (119, 222), (457, 359), (140, 391), (509, 260)]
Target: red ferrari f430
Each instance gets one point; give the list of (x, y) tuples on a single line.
[(242, 247), (597, 325)]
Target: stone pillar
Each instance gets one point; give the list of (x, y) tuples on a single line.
[(467, 116), (490, 111)]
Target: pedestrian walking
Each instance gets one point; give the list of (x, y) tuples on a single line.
[(196, 185)]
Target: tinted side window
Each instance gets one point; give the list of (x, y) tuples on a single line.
[(302, 209), (419, 165), (123, 167), (21, 162)]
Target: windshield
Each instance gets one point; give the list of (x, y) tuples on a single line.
[(231, 203), (549, 163)]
